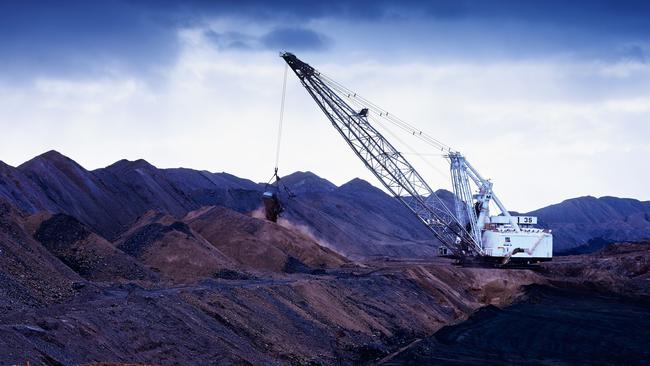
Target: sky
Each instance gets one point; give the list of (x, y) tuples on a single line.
[(548, 99)]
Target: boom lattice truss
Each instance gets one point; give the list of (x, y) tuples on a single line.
[(389, 166)]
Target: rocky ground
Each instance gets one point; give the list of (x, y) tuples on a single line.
[(588, 309), (220, 287), (344, 316), (621, 268), (363, 314)]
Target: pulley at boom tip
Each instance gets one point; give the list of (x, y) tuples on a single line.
[(300, 68)]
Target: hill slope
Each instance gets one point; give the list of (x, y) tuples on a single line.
[(109, 200), (356, 219), (579, 221), (29, 274)]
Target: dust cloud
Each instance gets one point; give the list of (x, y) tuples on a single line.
[(305, 230)]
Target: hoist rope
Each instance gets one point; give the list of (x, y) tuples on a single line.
[(290, 194), (284, 92)]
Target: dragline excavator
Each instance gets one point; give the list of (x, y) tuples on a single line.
[(469, 232)]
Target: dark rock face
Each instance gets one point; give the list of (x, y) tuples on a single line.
[(220, 286)]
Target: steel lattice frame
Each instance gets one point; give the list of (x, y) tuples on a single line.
[(465, 210), (389, 166)]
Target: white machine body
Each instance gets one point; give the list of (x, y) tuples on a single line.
[(504, 238), (529, 244)]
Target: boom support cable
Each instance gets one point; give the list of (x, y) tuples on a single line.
[(357, 99)]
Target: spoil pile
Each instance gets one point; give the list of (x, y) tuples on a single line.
[(260, 244), (172, 249), (623, 268), (86, 253), (29, 274)]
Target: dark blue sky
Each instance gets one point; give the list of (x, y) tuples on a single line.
[(78, 37)]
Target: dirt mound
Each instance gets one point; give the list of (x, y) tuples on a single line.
[(89, 255), (29, 274), (173, 249), (622, 268), (261, 244), (144, 237), (59, 231)]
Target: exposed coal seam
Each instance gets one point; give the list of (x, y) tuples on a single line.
[(136, 244)]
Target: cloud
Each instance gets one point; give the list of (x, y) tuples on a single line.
[(218, 111), (294, 39), (82, 38), (634, 53), (231, 40)]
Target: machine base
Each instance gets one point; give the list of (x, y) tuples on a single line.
[(497, 262)]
